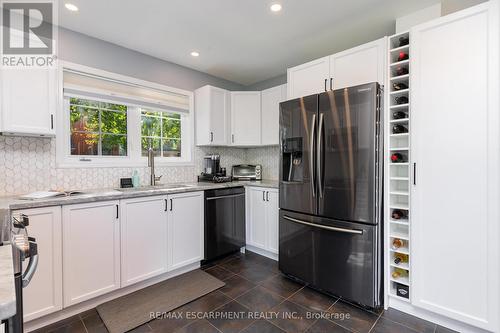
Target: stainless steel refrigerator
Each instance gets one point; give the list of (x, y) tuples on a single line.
[(330, 229)]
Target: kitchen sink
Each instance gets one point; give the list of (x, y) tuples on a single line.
[(156, 187)]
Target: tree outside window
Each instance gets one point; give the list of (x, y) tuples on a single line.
[(161, 131)]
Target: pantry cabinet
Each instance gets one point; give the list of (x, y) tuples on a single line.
[(245, 118), (43, 295), (144, 243), (262, 219), (270, 114), (185, 228), (455, 191), (212, 112), (91, 250), (359, 65), (29, 101)]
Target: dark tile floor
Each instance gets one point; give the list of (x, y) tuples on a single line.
[(255, 288)]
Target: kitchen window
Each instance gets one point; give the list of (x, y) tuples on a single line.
[(112, 120)]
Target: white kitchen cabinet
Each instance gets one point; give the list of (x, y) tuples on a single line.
[(262, 216), (359, 65), (29, 101), (245, 118), (144, 243), (91, 250), (212, 112), (43, 295), (185, 228), (270, 111), (309, 78), (455, 152)]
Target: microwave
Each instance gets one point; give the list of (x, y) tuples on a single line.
[(247, 172)]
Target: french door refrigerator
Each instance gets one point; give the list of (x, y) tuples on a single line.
[(330, 230)]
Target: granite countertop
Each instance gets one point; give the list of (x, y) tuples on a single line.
[(7, 288), (13, 202)]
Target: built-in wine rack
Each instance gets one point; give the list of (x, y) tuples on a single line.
[(397, 210)]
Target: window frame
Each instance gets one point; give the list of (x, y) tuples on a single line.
[(134, 158)]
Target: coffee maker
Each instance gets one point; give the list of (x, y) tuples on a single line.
[(212, 170)]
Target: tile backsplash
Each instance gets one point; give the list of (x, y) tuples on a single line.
[(29, 164)]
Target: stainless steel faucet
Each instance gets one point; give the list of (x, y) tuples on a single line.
[(151, 165)]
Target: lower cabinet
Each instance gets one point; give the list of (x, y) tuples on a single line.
[(91, 250), (262, 212), (43, 295), (143, 238), (185, 228)]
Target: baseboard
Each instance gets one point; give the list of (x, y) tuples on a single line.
[(433, 317), (265, 253), (92, 303)]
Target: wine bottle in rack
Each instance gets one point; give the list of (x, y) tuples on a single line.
[(403, 41), (401, 71), (398, 158), (399, 115), (401, 100), (400, 258), (397, 243), (399, 129), (399, 273), (403, 56), (398, 214), (399, 86)]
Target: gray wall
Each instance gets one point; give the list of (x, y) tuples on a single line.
[(85, 50), (273, 82)]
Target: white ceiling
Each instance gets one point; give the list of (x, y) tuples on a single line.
[(240, 40)]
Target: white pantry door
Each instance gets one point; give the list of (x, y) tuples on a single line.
[(455, 145)]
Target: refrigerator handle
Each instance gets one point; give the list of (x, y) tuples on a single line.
[(320, 155), (312, 148)]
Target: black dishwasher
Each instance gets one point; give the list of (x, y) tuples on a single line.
[(224, 221)]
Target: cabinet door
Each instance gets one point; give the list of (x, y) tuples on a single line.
[(455, 148), (212, 116), (272, 219), (256, 217), (29, 98), (309, 78), (185, 222), (219, 116), (91, 250), (359, 65), (143, 238), (271, 99), (43, 295), (245, 118)]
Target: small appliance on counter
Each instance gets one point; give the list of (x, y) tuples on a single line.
[(212, 171), (247, 172)]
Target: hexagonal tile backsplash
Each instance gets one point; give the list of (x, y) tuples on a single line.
[(29, 164)]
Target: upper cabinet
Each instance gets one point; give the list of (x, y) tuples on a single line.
[(359, 65), (212, 110), (270, 113), (309, 78), (245, 118), (29, 101)]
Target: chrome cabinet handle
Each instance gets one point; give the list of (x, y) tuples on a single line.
[(267, 195), (319, 155), (171, 205), (166, 204), (263, 195), (325, 84), (51, 121), (331, 83), (348, 231), (312, 157)]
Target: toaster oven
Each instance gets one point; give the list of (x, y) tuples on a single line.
[(247, 172)]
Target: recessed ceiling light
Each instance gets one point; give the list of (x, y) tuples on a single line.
[(70, 6), (195, 54), (276, 7)]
